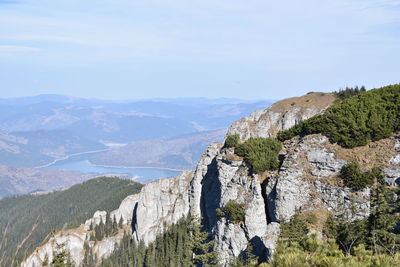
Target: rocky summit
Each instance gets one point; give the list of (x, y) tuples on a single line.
[(307, 181)]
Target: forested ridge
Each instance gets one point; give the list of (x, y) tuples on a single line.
[(35, 216), (355, 119)]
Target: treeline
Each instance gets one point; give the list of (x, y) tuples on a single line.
[(105, 229), (36, 217), (354, 121), (182, 245), (349, 92)]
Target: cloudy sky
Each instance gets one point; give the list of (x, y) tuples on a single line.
[(253, 49)]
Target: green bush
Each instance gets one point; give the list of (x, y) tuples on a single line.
[(232, 211), (354, 121), (295, 230), (261, 153), (232, 140), (331, 227), (354, 178), (220, 213)]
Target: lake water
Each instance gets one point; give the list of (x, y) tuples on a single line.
[(82, 164)]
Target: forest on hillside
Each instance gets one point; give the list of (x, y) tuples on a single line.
[(25, 221)]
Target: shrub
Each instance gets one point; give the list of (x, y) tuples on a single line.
[(354, 178), (354, 121), (331, 227), (261, 153), (220, 213), (232, 140), (295, 230), (232, 211)]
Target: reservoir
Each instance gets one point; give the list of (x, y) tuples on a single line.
[(140, 174)]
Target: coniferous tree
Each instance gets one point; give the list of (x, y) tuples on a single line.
[(382, 221), (203, 248)]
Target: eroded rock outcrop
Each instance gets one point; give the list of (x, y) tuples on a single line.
[(281, 116), (308, 180), (159, 205)]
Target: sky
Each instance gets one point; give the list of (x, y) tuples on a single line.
[(253, 49)]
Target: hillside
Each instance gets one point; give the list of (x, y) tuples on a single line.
[(36, 148), (25, 221), (181, 152)]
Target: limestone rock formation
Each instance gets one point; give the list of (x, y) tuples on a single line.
[(281, 116), (308, 180), (160, 204)]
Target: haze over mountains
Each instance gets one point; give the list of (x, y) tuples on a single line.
[(38, 131)]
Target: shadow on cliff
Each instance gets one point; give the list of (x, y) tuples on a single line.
[(210, 196), (256, 247), (134, 221)]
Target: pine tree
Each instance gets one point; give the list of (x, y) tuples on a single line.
[(89, 259), (350, 234), (382, 221), (202, 247)]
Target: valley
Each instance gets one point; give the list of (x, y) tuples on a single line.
[(51, 142)]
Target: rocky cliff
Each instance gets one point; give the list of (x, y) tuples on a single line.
[(281, 116), (306, 182)]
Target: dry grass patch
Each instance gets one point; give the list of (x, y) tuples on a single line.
[(316, 218), (375, 154), (232, 157), (311, 100)]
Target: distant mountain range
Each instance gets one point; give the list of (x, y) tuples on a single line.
[(181, 152), (36, 130)]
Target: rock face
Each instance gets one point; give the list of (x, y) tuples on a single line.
[(233, 181), (281, 116), (160, 204), (307, 181), (72, 241)]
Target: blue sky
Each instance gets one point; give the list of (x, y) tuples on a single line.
[(254, 49)]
